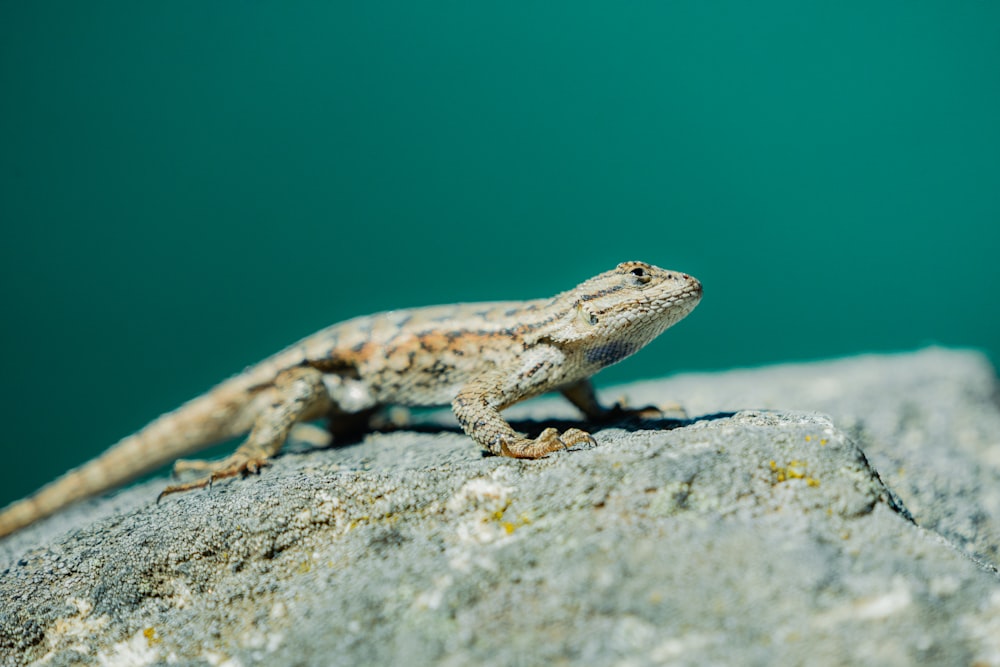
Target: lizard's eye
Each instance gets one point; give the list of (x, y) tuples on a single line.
[(639, 276)]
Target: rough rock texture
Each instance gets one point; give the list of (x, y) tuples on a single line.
[(758, 532)]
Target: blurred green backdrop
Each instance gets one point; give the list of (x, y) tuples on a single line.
[(187, 186)]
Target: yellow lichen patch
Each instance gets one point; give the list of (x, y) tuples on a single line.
[(510, 526), (359, 521), (151, 637), (794, 469)]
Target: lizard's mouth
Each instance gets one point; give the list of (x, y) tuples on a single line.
[(680, 302), (692, 290), (695, 286)]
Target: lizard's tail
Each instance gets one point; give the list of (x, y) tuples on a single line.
[(224, 412)]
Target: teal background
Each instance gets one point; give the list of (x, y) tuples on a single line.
[(186, 187)]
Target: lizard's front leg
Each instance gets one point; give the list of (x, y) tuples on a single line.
[(477, 407), (298, 394), (582, 395)]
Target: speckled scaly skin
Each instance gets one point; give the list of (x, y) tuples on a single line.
[(480, 358)]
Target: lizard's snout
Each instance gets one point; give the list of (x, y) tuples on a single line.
[(688, 283)]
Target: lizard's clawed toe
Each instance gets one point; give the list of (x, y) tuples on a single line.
[(228, 467), (548, 441), (576, 437), (238, 465), (184, 486)]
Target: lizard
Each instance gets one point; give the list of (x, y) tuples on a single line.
[(478, 357)]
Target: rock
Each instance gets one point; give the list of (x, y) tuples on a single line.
[(928, 421), (758, 532)]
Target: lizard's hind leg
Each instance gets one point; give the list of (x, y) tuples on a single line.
[(298, 395)]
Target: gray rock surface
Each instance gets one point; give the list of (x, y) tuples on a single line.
[(761, 531)]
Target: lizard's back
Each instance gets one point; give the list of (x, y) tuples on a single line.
[(418, 356)]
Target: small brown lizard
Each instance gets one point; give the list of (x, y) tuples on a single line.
[(480, 358)]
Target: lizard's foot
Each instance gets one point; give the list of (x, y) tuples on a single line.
[(620, 410), (547, 442), (237, 463)]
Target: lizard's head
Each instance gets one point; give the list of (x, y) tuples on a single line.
[(619, 311)]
